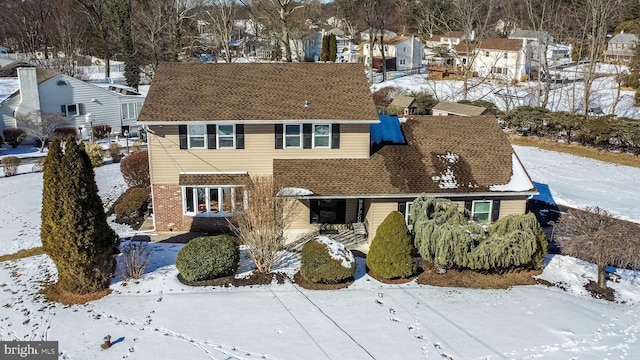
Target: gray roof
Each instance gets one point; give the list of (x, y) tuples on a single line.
[(460, 109), (624, 38), (402, 101), (529, 34)]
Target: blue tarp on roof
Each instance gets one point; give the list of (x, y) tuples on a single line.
[(388, 130), (544, 193)]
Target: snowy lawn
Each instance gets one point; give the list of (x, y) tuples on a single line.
[(158, 317)]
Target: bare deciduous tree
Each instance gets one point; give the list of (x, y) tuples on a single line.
[(223, 16), (262, 225), (594, 235), (40, 125)]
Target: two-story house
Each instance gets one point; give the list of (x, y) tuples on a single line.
[(80, 104), (213, 126), (622, 47), (507, 59), (400, 52)]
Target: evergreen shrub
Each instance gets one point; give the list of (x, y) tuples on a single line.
[(135, 169), (208, 257), (390, 251), (114, 152), (132, 206), (326, 261), (14, 137), (96, 154), (10, 165)]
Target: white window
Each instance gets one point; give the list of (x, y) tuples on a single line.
[(131, 111), (481, 211), (213, 200), (196, 136), (293, 136), (73, 109), (226, 137), (322, 136)]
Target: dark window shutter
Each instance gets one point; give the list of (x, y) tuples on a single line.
[(211, 136), (278, 131), (335, 136), (240, 136), (81, 109), (182, 130), (468, 204), (63, 109), (306, 136), (402, 208), (495, 210)]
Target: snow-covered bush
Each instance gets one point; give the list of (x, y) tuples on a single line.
[(208, 257), (326, 261), (390, 251)]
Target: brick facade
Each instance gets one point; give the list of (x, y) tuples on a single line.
[(167, 210)]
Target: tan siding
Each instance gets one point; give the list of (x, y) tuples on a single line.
[(256, 158), (378, 211), (301, 222), (509, 207)]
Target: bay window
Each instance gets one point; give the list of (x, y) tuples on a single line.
[(213, 200)]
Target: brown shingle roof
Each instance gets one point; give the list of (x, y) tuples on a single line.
[(258, 91), (484, 158), (403, 101), (213, 179), (500, 44)]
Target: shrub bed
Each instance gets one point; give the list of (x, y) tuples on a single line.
[(208, 257), (132, 206), (14, 137)]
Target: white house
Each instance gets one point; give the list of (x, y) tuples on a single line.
[(313, 44), (401, 53), (507, 59), (364, 35), (621, 47), (82, 104)]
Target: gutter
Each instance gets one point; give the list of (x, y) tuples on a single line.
[(436, 195)]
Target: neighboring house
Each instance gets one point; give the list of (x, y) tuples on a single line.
[(4, 50), (313, 44), (404, 104), (507, 59), (213, 126), (621, 48), (454, 109), (401, 53), (81, 104)]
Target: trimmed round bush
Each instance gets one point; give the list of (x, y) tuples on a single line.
[(208, 257), (326, 261), (135, 169), (390, 251)]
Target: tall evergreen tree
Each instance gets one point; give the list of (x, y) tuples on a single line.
[(82, 243), (51, 215), (333, 47), (122, 19), (324, 56)]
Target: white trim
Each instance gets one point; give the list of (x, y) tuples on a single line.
[(208, 200), (260, 122), (437, 195), (204, 136)]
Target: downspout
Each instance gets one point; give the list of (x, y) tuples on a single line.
[(153, 198)]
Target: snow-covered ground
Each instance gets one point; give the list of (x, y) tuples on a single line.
[(158, 317), (563, 97)]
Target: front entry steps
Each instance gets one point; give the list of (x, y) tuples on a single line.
[(351, 235)]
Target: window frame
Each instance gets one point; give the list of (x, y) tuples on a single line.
[(328, 136), (190, 136), (285, 136), (222, 137), (473, 211), (407, 214), (78, 111), (221, 190)]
